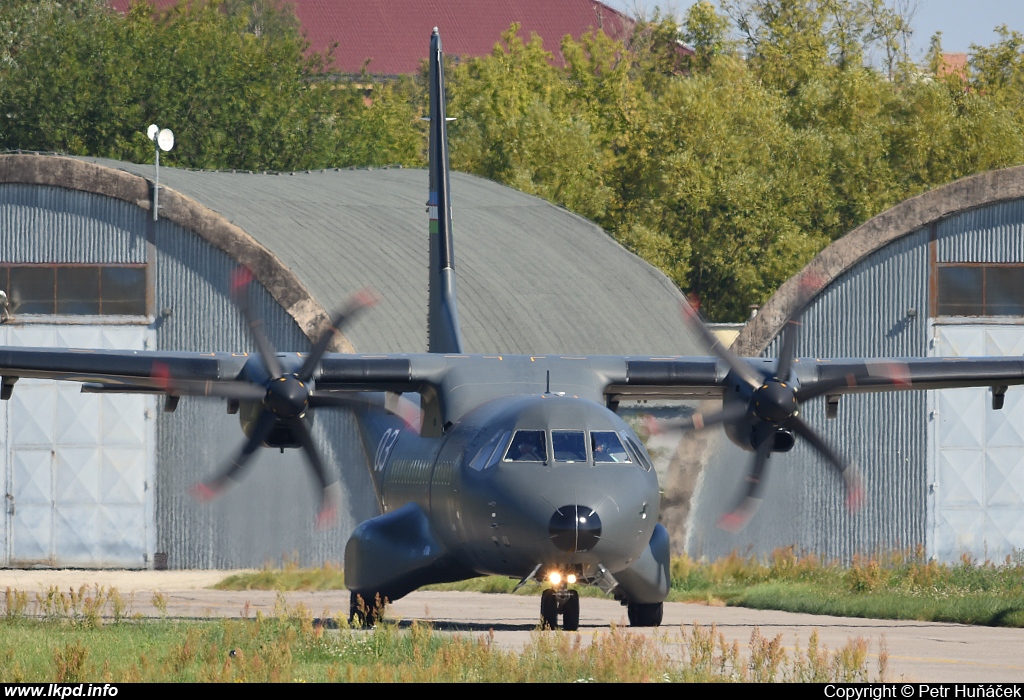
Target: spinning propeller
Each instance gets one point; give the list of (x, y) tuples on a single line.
[(283, 399), (768, 406)]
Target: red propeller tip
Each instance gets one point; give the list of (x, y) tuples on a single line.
[(161, 374), (651, 424), (732, 522), (366, 297), (240, 278), (326, 518), (203, 493), (855, 499)]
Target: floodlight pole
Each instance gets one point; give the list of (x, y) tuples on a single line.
[(163, 140), (156, 186)]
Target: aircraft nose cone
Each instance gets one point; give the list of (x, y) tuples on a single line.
[(575, 528)]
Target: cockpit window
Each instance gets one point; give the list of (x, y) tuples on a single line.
[(607, 447), (527, 446), (569, 445), (637, 450), (486, 456)]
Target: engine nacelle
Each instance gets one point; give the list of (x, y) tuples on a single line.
[(281, 435)]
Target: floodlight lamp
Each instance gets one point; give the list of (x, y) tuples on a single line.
[(165, 139)]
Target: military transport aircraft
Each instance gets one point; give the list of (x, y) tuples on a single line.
[(516, 465)]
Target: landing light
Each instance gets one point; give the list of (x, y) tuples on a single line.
[(555, 578)]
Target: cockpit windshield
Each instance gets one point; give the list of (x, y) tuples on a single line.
[(527, 446), (569, 445), (607, 447), (486, 456)]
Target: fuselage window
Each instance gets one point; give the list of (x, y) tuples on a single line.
[(486, 456), (607, 447), (527, 446), (569, 445)]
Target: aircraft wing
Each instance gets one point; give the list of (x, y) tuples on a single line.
[(708, 377), (194, 373), (123, 369)]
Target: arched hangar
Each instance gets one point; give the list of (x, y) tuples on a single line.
[(939, 275), (101, 479)]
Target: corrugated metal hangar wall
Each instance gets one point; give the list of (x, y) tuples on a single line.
[(939, 275)]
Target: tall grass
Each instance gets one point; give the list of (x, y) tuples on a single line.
[(46, 640), (899, 585)]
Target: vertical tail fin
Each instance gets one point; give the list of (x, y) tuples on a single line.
[(443, 313)]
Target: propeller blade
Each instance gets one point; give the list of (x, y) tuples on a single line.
[(736, 364), (228, 389), (328, 514), (854, 490), (208, 490), (359, 301), (698, 421), (404, 408), (240, 281), (788, 349), (809, 285), (895, 374), (736, 519)]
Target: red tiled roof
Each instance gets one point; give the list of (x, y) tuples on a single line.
[(394, 34), (953, 64)]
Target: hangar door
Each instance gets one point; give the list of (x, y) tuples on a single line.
[(78, 468), (976, 465)]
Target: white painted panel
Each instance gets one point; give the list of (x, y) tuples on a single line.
[(32, 413), (119, 416), (959, 531), (31, 534), (76, 476), (77, 415), (1004, 477), (32, 477), (962, 418), (961, 476), (76, 535), (120, 481), (78, 337), (122, 536)]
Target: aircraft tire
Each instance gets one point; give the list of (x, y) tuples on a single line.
[(571, 612), (645, 614), (548, 610)]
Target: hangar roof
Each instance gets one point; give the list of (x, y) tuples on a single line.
[(533, 278)]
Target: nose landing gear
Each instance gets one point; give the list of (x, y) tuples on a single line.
[(560, 602)]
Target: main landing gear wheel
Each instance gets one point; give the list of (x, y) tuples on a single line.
[(571, 612), (564, 603), (645, 614), (548, 610)]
